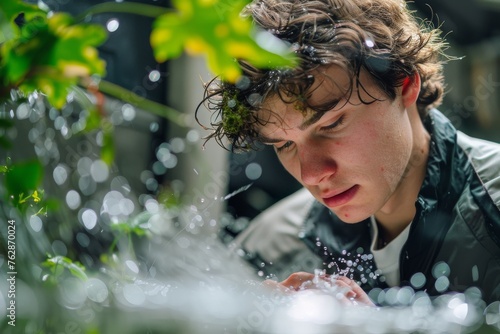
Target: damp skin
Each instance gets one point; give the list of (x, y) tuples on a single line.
[(358, 159)]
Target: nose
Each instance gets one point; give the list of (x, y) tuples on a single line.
[(316, 164)]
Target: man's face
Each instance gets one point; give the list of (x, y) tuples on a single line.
[(356, 156)]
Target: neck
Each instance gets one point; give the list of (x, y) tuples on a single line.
[(399, 210)]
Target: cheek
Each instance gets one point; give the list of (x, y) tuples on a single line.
[(382, 149)]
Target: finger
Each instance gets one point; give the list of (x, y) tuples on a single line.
[(296, 280), (345, 288), (356, 292), (268, 283)]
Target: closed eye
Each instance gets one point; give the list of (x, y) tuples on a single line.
[(284, 147), (334, 124)]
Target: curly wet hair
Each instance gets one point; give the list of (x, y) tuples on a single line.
[(382, 37)]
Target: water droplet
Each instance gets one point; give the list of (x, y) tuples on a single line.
[(59, 123), (112, 25), (128, 112), (253, 171), (243, 82), (159, 168), (369, 43), (154, 76), (146, 175), (152, 206), (83, 239), (442, 284), (154, 127), (83, 166), (23, 111), (134, 294), (475, 273), (36, 223), (492, 314), (73, 199), (255, 99), (72, 293), (60, 174), (193, 136), (441, 269), (177, 145), (96, 290), (461, 311), (152, 184), (87, 185), (89, 218), (99, 171), (231, 103), (132, 266)]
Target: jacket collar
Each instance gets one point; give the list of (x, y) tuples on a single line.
[(444, 180)]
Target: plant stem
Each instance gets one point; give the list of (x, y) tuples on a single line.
[(123, 7), (140, 102)]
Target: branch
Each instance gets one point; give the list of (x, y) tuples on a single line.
[(140, 102), (123, 7)]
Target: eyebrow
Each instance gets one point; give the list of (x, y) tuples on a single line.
[(313, 119), (308, 122), (266, 140)]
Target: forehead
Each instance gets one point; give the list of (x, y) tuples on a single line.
[(330, 84)]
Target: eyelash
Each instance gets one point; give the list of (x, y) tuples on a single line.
[(334, 124), (284, 147), (327, 128)]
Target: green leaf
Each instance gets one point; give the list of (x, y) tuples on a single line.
[(50, 55), (57, 264), (137, 225), (50, 81), (12, 8), (214, 28), (23, 178), (108, 148)]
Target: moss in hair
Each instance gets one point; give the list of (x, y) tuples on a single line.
[(235, 115)]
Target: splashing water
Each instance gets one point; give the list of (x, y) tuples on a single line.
[(184, 280)]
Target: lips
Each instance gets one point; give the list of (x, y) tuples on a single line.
[(341, 198)]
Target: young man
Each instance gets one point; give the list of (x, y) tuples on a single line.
[(401, 198)]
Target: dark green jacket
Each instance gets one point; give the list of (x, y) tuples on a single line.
[(454, 239)]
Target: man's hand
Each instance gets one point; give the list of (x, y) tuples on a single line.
[(346, 290)]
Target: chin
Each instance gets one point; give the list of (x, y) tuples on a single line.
[(350, 216)]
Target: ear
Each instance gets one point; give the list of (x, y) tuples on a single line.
[(410, 89)]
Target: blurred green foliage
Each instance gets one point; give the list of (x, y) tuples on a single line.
[(46, 53), (215, 29), (50, 53)]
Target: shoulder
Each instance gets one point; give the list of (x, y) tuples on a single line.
[(285, 217), (276, 231), (484, 157)]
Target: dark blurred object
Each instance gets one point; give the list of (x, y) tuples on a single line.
[(466, 21)]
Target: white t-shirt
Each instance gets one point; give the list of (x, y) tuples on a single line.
[(387, 258)]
